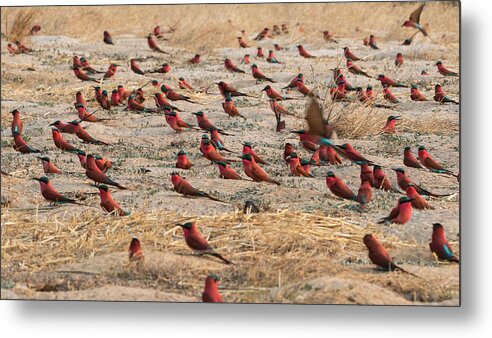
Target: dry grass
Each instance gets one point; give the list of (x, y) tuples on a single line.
[(22, 22)]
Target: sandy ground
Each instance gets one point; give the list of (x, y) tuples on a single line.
[(46, 94)]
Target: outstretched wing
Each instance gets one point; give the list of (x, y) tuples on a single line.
[(314, 118), (415, 16)]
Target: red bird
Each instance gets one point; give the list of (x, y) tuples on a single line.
[(296, 168), (389, 96), (328, 37), (173, 95), (254, 171), (84, 135), (366, 173), (12, 49), (409, 159), (198, 243), (403, 181), (164, 69), (349, 55), (135, 252), (81, 75), (259, 52), (304, 53), (174, 121), (227, 172), (248, 149), (440, 245), (226, 88), (418, 202), (153, 45), (211, 292), (278, 109), (107, 38), (80, 100), (364, 194), (48, 166), (84, 64), (349, 152), (303, 89), (306, 140), (60, 142), (17, 124), (116, 100), (389, 82), (399, 60), (182, 84), (203, 122), (242, 43), (440, 96), (288, 150), (271, 58), (195, 60), (416, 95), (135, 67), (361, 95), (294, 81), (414, 20), (182, 186), (369, 92), (381, 181), (372, 42), (428, 162), (108, 203), (277, 47), (161, 102), (258, 75), (231, 67), (210, 153), (444, 71), (157, 32), (329, 154), (245, 59), (379, 256), (182, 161), (273, 94), (389, 127), (230, 108), (339, 188), (50, 193), (93, 172), (84, 115), (400, 214), (356, 70)]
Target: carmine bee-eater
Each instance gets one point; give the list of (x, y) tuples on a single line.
[(124, 94), (245, 60), (84, 135), (182, 186), (380, 257), (84, 115), (271, 58), (50, 193), (403, 181), (306, 164), (107, 38), (157, 32), (183, 84), (328, 37), (263, 34), (349, 55), (259, 76), (230, 108), (381, 180), (303, 52), (296, 168), (372, 42), (103, 163), (259, 52), (418, 202), (303, 89), (231, 67), (242, 43), (294, 81), (116, 100), (428, 162), (61, 143), (22, 48), (87, 67), (254, 171), (349, 152), (440, 96), (98, 94), (366, 173), (409, 159), (195, 60), (35, 29), (204, 123), (80, 100), (227, 172), (164, 69), (182, 162), (48, 166), (211, 292), (356, 70), (172, 120), (369, 92), (278, 109), (400, 214), (173, 95), (389, 82), (17, 124), (328, 154), (361, 95), (135, 67), (416, 95), (93, 172), (389, 127), (364, 195), (12, 49), (161, 102), (215, 138), (81, 75), (210, 153), (153, 45), (440, 245), (82, 156), (226, 88), (277, 47), (105, 100), (399, 60), (198, 243), (306, 140), (388, 95), (108, 203), (135, 252), (414, 20), (288, 150), (273, 94), (317, 131), (444, 71), (338, 187)]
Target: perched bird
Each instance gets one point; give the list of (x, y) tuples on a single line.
[(366, 173), (372, 42), (211, 292), (48, 166), (84, 64), (364, 194), (304, 53), (210, 152), (108, 203), (245, 59), (80, 100), (349, 152), (400, 214), (174, 121), (444, 71), (277, 47), (248, 149), (278, 109), (349, 55), (153, 45), (271, 58), (428, 162), (385, 80), (61, 143), (418, 202), (135, 67), (399, 60), (254, 171), (303, 89), (306, 140), (17, 124), (379, 256), (388, 95), (441, 97), (50, 193), (294, 81), (204, 123), (183, 84), (227, 172), (230, 108), (339, 188), (84, 135), (273, 94), (242, 43), (259, 76), (157, 32), (381, 180), (107, 38), (362, 96), (328, 37), (389, 127), (328, 154), (403, 181), (195, 60), (296, 168), (94, 173), (369, 92), (164, 69), (182, 161), (81, 75), (288, 150), (416, 95), (182, 186), (226, 88), (173, 95), (414, 20), (116, 100), (231, 67), (409, 159), (198, 243), (135, 252), (356, 70), (161, 102), (440, 245)]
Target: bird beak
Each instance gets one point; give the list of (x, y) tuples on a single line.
[(181, 225), (51, 124), (35, 179), (397, 117)]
